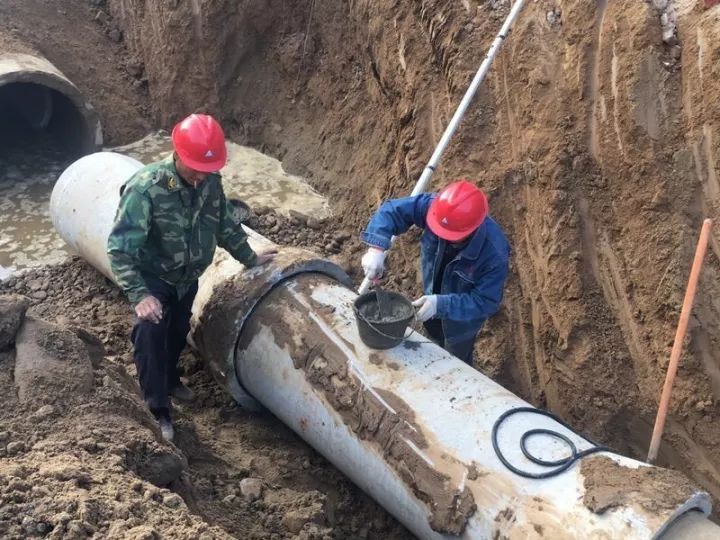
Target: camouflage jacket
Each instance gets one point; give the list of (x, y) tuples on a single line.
[(166, 228)]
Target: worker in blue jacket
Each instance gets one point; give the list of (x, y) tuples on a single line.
[(464, 259)]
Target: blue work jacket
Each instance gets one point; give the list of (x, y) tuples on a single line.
[(471, 286)]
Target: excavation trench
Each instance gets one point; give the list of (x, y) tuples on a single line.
[(355, 95), (284, 334)]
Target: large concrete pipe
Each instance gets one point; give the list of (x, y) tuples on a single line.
[(83, 204), (412, 425), (34, 90)]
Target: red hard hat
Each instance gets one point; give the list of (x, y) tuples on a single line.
[(457, 211), (200, 143)]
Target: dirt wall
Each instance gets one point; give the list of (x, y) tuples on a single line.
[(595, 139)]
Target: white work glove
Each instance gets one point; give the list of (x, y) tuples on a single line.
[(373, 263), (427, 307)]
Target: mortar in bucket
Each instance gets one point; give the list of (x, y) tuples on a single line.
[(376, 331)]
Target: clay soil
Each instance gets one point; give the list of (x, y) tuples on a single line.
[(121, 480), (597, 144)]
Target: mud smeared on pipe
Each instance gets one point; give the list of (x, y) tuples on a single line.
[(608, 485), (377, 416)]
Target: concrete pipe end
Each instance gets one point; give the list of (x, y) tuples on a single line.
[(45, 99), (82, 223), (222, 316), (692, 525)]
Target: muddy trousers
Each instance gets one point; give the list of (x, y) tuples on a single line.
[(463, 350), (157, 347)]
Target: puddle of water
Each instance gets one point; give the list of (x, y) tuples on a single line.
[(27, 237), (257, 179)]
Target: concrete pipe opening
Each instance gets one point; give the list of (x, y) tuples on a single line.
[(40, 107)]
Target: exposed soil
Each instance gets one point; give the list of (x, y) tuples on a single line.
[(244, 474), (596, 142), (608, 485)]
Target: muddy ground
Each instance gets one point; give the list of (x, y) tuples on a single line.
[(99, 457), (595, 136)]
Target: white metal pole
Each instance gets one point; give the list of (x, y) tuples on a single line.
[(460, 112)]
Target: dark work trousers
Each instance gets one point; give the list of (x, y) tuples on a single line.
[(158, 346), (463, 350)]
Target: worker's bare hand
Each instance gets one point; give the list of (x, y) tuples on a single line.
[(265, 257), (149, 309)]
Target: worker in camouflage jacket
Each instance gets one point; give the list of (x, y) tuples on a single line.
[(172, 215)]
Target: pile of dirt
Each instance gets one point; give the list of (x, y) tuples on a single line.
[(80, 456), (342, 246), (73, 294), (299, 230), (239, 474), (608, 485)]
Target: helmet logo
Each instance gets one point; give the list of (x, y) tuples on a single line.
[(209, 154), (444, 221)]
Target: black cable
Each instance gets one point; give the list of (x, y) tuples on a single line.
[(560, 465)]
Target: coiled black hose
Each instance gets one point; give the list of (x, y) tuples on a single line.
[(560, 465)]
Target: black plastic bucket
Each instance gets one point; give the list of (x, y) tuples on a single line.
[(387, 333)]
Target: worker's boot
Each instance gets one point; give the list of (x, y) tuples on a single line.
[(167, 429), (182, 393), (162, 416)]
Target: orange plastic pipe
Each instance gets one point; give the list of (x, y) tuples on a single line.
[(679, 338)]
